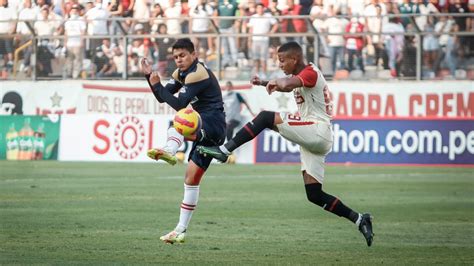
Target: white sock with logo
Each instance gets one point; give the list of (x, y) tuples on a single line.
[(174, 141), (359, 220), (224, 150), (191, 196)]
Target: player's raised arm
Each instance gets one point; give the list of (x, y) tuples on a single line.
[(286, 84), (258, 82), (154, 81)]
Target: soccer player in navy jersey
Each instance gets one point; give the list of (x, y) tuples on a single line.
[(197, 86), (311, 129)]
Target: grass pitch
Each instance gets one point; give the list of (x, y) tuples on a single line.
[(104, 213)]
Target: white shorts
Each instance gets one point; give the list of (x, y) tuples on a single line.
[(314, 138)]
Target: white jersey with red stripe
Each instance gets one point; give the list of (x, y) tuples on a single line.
[(313, 98)]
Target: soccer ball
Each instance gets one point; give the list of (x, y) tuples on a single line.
[(187, 122)]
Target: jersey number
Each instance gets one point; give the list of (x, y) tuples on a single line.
[(327, 100)]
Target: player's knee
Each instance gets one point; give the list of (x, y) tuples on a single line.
[(265, 118), (315, 194)]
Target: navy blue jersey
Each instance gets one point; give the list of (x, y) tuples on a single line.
[(199, 87)]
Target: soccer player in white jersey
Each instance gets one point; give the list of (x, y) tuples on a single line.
[(312, 130)]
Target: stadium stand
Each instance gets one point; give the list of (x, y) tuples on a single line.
[(374, 39)]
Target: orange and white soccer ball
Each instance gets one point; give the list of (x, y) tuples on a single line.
[(187, 122)]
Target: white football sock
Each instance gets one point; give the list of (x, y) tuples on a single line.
[(191, 196), (224, 149), (359, 220), (174, 141)]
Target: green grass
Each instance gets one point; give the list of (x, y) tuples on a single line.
[(104, 213)]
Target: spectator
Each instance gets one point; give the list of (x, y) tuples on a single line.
[(115, 9), (393, 42), (44, 54), (407, 58), (119, 59), (157, 17), (356, 7), (293, 25), (408, 8), (338, 6), (453, 51), (373, 12), (335, 26), (44, 26), (56, 7), (74, 30), (104, 67), (318, 15), (260, 25), (228, 8), (108, 48), (173, 13), (96, 18), (200, 23), (306, 6), (459, 7), (375, 47), (134, 68), (442, 28), (165, 55), (233, 107), (29, 13), (430, 45), (67, 7), (185, 7), (141, 14), (317, 11), (247, 10), (426, 9), (7, 27), (355, 43), (128, 6), (137, 47), (274, 41)]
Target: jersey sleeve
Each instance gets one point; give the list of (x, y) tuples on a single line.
[(308, 77), (171, 87), (195, 83)]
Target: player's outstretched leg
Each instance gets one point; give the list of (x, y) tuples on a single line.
[(264, 119), (334, 205), (365, 227), (168, 152), (174, 237)]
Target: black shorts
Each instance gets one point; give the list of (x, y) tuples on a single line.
[(214, 128)]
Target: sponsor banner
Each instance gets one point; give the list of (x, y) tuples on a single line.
[(111, 137), (447, 99), (106, 99), (122, 138), (29, 137), (384, 142)]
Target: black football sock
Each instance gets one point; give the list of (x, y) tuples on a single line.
[(264, 119), (329, 203)]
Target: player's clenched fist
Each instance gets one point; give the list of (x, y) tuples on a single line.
[(256, 81), (271, 86), (146, 67)]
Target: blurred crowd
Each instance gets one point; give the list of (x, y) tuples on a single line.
[(88, 34)]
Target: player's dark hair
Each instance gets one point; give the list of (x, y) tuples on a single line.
[(290, 47), (184, 43)]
